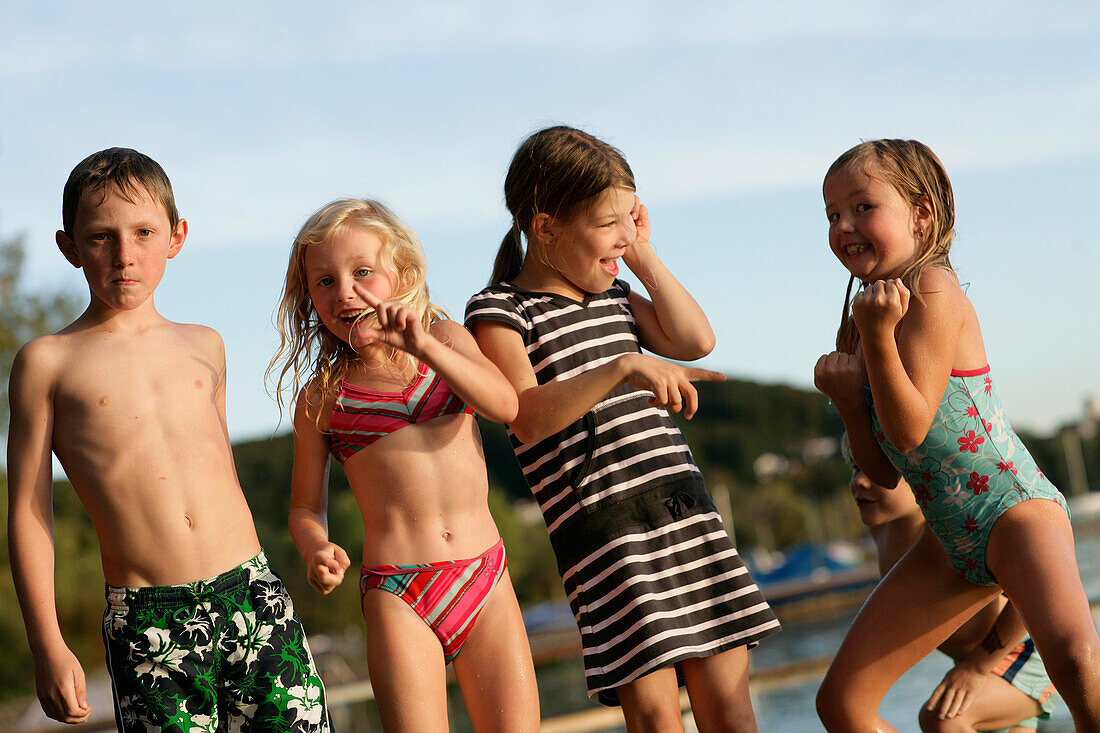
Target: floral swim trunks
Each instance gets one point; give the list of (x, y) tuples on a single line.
[(226, 653)]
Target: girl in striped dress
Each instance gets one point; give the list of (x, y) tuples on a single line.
[(391, 388), (657, 588)]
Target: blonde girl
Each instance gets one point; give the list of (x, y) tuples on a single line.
[(657, 588), (911, 381), (388, 385)]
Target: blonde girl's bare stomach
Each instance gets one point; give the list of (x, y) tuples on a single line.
[(426, 513)]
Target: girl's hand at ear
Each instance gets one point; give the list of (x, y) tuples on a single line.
[(634, 255), (398, 325), (880, 307), (325, 567), (671, 384), (640, 215)]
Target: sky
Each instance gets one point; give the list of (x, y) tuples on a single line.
[(729, 113)]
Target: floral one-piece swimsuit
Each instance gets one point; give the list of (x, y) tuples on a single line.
[(970, 469)]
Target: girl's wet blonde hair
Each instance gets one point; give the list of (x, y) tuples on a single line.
[(308, 352), (920, 178)]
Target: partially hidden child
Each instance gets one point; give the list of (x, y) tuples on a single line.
[(200, 634), (388, 386), (998, 681), (657, 588)]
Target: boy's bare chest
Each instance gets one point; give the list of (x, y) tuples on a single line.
[(110, 383)]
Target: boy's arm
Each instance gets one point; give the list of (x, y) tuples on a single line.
[(308, 520), (59, 677)]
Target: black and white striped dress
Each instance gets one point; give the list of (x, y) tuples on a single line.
[(650, 573)]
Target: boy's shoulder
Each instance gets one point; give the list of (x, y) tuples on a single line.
[(42, 357)]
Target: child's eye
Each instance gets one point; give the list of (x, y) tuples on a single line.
[(861, 208), (364, 272), (833, 217), (324, 282)]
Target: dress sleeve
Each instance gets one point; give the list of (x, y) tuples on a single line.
[(493, 304)]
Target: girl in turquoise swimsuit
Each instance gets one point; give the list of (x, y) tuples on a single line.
[(911, 381)]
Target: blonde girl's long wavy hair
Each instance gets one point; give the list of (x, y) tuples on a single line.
[(920, 178), (308, 353)]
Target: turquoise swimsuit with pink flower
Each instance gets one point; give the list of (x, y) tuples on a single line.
[(970, 469)]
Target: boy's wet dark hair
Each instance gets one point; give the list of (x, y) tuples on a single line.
[(132, 173)]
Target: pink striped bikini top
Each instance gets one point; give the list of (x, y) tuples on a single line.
[(362, 416)]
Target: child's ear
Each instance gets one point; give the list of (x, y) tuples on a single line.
[(68, 248), (178, 237), (543, 228), (922, 215)]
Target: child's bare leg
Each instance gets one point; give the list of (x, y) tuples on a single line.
[(718, 687), (1030, 552), (998, 705), (651, 704), (406, 665), (494, 668), (916, 606)]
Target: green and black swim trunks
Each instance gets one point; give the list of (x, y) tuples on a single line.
[(227, 653)]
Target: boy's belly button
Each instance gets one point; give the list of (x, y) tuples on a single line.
[(188, 520)]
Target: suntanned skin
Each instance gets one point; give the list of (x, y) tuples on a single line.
[(133, 405), (422, 491), (969, 697)]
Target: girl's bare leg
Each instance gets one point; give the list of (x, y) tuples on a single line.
[(406, 666), (914, 608), (651, 704), (1030, 552), (718, 687), (494, 668)]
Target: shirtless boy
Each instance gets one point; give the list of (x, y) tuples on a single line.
[(998, 681), (200, 634)]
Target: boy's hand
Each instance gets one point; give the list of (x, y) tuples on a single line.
[(671, 384), (325, 567), (398, 325), (960, 687), (880, 307), (840, 376), (61, 686)]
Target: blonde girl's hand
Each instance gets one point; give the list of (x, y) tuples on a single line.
[(959, 688), (671, 384), (840, 376), (398, 326), (880, 307), (326, 566)]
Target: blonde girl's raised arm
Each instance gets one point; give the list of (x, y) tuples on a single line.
[(455, 356)]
